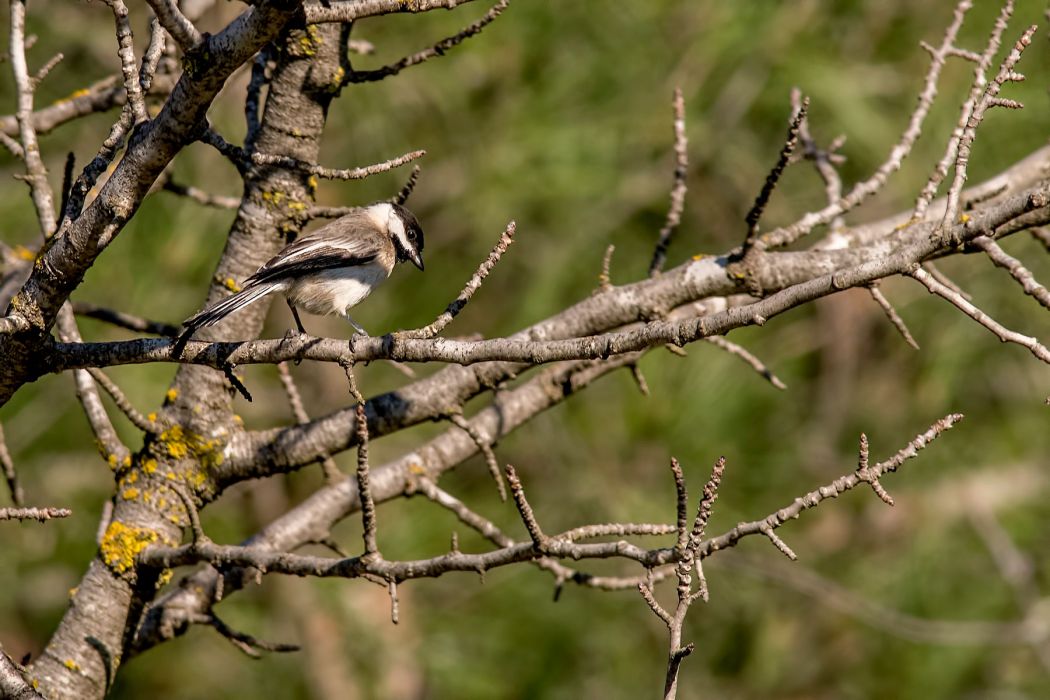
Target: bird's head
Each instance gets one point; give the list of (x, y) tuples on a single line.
[(406, 233)]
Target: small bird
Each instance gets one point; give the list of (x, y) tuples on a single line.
[(328, 271)]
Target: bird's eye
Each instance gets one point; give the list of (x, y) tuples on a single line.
[(411, 235)]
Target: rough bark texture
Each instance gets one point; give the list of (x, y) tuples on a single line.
[(195, 447)]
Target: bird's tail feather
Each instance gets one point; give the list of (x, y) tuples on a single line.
[(220, 310)]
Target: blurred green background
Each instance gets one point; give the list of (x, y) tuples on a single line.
[(558, 116)]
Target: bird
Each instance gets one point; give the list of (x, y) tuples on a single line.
[(327, 271)]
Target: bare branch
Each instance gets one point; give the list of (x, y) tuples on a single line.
[(862, 190), (137, 419), (485, 448), (755, 214), (814, 498), (124, 320), (438, 49), (151, 58), (892, 315), (251, 646), (350, 10), (604, 277), (1017, 270), (982, 63), (473, 284), (109, 444), (331, 469), (539, 540), (200, 196), (410, 184), (990, 98), (331, 174), (824, 161), (176, 24), (39, 76), (36, 173), (1004, 334), (10, 475), (126, 52), (678, 190), (368, 506), (40, 514), (752, 361)]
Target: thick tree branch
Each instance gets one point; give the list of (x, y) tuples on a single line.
[(848, 268)]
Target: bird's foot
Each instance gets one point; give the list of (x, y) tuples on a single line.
[(356, 337), (299, 335)]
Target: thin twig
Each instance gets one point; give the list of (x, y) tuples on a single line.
[(245, 642), (113, 450), (368, 506), (892, 315), (176, 23), (200, 196), (438, 49), (833, 490), (40, 514), (36, 173), (678, 190), (350, 10), (295, 400), (605, 277), (473, 284), (39, 76), (752, 361), (983, 62), (126, 53), (158, 40), (253, 101), (754, 215), (539, 540), (410, 184), (124, 320), (394, 607), (121, 400), (1002, 332), (192, 516), (329, 173), (824, 161), (10, 475), (989, 99), (862, 190), (485, 447), (1017, 270)]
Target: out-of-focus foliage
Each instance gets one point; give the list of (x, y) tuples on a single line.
[(558, 116)]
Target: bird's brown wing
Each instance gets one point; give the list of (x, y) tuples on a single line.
[(346, 242)]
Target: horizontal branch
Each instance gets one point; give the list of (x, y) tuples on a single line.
[(874, 264), (836, 488), (101, 96), (39, 514), (312, 520), (350, 10)]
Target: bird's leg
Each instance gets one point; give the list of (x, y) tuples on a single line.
[(298, 325), (295, 315), (357, 327)]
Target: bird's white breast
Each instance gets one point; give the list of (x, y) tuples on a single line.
[(332, 292)]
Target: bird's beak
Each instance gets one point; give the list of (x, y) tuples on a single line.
[(416, 258)]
